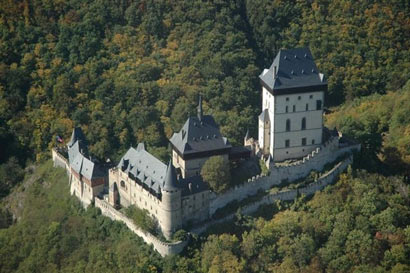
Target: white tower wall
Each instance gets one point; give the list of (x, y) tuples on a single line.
[(295, 108)]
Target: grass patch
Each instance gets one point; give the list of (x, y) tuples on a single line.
[(55, 233)]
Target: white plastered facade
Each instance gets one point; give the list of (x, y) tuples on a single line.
[(287, 143)]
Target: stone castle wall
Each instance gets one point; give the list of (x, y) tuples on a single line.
[(283, 174), (59, 160), (163, 248), (310, 189), (287, 195)]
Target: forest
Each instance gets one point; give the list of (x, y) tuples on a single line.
[(131, 71)]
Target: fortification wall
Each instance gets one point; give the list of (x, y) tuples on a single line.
[(163, 248), (282, 174), (60, 161), (288, 195), (310, 189)]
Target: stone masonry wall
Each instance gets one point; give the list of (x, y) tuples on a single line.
[(59, 160), (163, 248), (316, 160), (310, 189), (288, 195)]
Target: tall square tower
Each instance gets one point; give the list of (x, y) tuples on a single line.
[(291, 122)]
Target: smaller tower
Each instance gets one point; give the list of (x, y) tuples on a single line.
[(245, 139), (171, 219), (200, 108), (264, 129), (113, 195)]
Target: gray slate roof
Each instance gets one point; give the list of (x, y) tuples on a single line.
[(77, 163), (145, 167), (77, 135), (90, 169), (170, 183), (73, 151), (199, 136), (77, 157), (156, 175), (295, 68)]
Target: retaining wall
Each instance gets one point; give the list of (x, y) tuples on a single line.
[(316, 160), (163, 248), (288, 195)]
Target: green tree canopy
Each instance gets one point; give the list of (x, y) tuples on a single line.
[(216, 173)]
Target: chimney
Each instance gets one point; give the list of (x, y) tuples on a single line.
[(274, 72)]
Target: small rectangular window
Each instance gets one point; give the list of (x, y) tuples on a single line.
[(287, 108), (287, 99), (318, 105), (299, 97), (294, 108), (313, 141), (307, 106), (304, 141), (287, 142), (311, 96)]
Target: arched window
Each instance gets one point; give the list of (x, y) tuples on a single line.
[(303, 123), (288, 125), (122, 183)]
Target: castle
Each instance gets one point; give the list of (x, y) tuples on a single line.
[(174, 194)]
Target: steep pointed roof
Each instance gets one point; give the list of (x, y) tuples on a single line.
[(77, 163), (199, 136), (73, 151), (170, 183), (295, 71), (77, 135), (91, 170)]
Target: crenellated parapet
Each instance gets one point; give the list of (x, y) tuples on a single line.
[(283, 174)]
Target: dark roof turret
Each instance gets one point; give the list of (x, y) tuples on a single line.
[(170, 183), (77, 135)]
